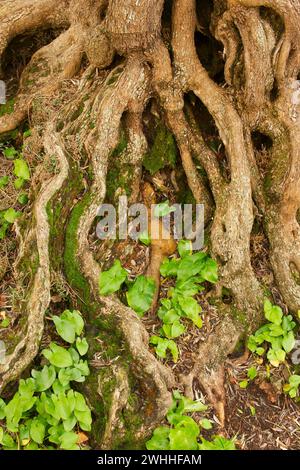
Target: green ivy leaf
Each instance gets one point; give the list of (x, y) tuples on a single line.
[(4, 180), (58, 356), (210, 271), (110, 281), (160, 439), (173, 330), (2, 408), (219, 443), (82, 346), (206, 423), (276, 357), (19, 183), (288, 342), (191, 309), (162, 345), (21, 169), (191, 266), (184, 248), (10, 153), (169, 267), (252, 373), (68, 325), (44, 378), (23, 199), (84, 418), (68, 441), (141, 293), (10, 215), (273, 313), (37, 430), (184, 435)]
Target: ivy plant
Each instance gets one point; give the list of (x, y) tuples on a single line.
[(292, 387), (46, 412), (276, 337), (189, 271), (183, 432)]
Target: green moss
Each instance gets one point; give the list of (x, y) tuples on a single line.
[(239, 316), (77, 112), (120, 174), (122, 145), (7, 108), (6, 137), (72, 270), (163, 152)]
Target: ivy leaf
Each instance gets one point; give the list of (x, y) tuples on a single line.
[(252, 373), (276, 357), (69, 423), (68, 441), (23, 199), (191, 309), (273, 313), (4, 180), (10, 215), (64, 404), (21, 169), (184, 248), (169, 267), (243, 384), (219, 443), (162, 345), (69, 374), (19, 183), (58, 356), (2, 408), (68, 325), (141, 293), (174, 330), (206, 423), (159, 439), (191, 266), (288, 342), (10, 153), (8, 442), (110, 281), (84, 418), (210, 271), (37, 430), (82, 346), (184, 435), (44, 378)]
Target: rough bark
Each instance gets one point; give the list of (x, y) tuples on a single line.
[(129, 64)]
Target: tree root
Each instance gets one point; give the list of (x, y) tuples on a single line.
[(39, 296), (208, 368)]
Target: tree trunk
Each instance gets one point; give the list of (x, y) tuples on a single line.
[(111, 62)]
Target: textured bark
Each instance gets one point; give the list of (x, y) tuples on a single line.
[(129, 63)]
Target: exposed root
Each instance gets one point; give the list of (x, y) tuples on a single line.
[(39, 296), (209, 364), (118, 403), (130, 86)]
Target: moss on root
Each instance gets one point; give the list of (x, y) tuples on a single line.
[(163, 151)]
